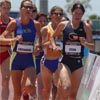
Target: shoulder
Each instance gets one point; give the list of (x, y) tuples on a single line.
[(11, 18), (87, 26), (37, 25), (12, 25), (44, 29), (36, 22), (13, 22), (62, 25)]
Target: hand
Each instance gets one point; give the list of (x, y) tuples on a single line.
[(82, 41), (19, 38), (37, 49), (57, 48)]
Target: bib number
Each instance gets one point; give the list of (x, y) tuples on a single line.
[(24, 48)]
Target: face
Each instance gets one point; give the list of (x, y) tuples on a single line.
[(56, 16), (34, 13), (5, 9), (26, 9), (77, 15), (43, 21)]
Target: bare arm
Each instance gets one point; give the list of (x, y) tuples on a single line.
[(38, 33), (45, 41), (57, 33), (90, 43), (5, 37)]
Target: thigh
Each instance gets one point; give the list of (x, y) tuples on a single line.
[(46, 75), (5, 70), (62, 76), (16, 79), (29, 76), (76, 79)]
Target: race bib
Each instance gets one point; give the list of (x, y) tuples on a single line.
[(59, 44), (72, 49), (23, 48)]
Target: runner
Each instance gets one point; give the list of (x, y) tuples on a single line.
[(42, 18), (50, 66), (25, 29), (74, 32), (5, 6)]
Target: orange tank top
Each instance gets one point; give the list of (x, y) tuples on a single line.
[(49, 51)]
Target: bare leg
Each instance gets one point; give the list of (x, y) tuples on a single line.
[(76, 79), (16, 79), (39, 87), (5, 72), (54, 92), (28, 82), (63, 82), (47, 80)]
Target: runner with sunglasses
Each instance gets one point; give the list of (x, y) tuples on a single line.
[(50, 67), (25, 30)]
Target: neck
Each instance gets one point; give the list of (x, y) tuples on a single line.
[(75, 25), (54, 25), (5, 19), (24, 20)]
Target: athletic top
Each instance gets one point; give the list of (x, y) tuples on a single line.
[(2, 29), (73, 48), (28, 33), (48, 50)]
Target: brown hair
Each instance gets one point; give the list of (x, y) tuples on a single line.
[(40, 15), (55, 8), (22, 3), (78, 5), (5, 1)]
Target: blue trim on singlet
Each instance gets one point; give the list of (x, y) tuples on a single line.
[(28, 31), (22, 61)]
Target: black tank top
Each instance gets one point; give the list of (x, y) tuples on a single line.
[(73, 48)]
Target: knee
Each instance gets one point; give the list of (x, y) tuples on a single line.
[(67, 87), (5, 81), (29, 89)]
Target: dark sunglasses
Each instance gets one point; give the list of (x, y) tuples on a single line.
[(26, 7), (58, 14)]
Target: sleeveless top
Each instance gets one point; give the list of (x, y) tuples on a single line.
[(48, 50), (28, 33), (73, 48), (2, 29)]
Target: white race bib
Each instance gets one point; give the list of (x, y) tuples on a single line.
[(59, 44), (72, 48), (23, 48)]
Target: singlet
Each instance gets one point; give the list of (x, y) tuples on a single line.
[(49, 51), (28, 32), (73, 48), (2, 29)]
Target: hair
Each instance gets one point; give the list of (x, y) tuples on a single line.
[(34, 7), (22, 3), (40, 15), (78, 5), (55, 8), (2, 2)]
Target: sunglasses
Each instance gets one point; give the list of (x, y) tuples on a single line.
[(27, 7), (58, 14)]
